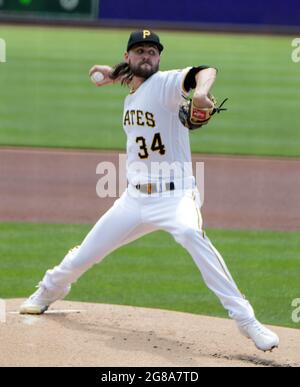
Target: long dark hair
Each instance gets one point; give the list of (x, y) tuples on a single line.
[(123, 71)]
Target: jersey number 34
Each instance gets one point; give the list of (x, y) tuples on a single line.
[(157, 146)]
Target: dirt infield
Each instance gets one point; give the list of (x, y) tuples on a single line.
[(81, 334), (60, 186)]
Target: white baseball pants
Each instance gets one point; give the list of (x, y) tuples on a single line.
[(136, 214)]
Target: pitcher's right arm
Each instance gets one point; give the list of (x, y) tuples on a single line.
[(106, 71)]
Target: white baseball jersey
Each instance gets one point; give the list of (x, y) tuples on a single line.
[(155, 134)]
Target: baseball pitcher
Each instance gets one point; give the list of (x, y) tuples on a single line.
[(158, 116)]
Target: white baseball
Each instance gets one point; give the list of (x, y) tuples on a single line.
[(97, 77)]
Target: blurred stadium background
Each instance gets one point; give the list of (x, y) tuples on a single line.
[(188, 14), (47, 100)]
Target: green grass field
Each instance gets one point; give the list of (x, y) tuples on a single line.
[(155, 272), (47, 99)]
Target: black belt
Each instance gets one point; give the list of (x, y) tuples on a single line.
[(152, 188)]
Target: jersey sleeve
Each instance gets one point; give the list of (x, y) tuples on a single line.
[(172, 89)]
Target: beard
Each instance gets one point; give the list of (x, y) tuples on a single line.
[(141, 71)]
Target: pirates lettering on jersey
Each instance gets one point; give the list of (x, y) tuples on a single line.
[(139, 118)]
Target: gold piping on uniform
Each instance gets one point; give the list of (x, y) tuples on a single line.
[(225, 270), (221, 264), (197, 210), (210, 246)]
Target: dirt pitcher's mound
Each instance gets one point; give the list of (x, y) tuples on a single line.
[(81, 334)]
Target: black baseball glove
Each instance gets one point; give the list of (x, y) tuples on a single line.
[(193, 117)]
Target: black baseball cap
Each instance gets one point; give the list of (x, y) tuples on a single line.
[(144, 36)]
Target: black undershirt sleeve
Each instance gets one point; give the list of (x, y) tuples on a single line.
[(190, 79)]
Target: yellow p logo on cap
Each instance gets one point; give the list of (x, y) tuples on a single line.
[(146, 33)]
